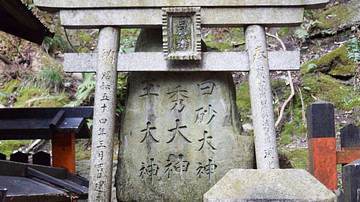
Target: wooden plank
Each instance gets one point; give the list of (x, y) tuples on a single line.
[(219, 17), (322, 160), (174, 3), (347, 156), (154, 61)]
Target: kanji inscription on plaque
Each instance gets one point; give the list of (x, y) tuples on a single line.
[(181, 31)]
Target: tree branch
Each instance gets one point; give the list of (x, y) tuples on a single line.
[(290, 81)]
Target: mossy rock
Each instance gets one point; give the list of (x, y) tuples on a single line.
[(329, 89), (338, 16), (298, 158), (336, 64)]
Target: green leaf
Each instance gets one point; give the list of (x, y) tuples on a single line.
[(31, 5)]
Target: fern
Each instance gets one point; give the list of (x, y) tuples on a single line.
[(353, 48), (85, 89)]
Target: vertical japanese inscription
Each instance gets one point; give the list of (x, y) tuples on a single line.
[(104, 115)]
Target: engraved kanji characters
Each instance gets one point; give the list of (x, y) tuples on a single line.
[(208, 169), (149, 90), (147, 131), (176, 164), (150, 170), (205, 115), (206, 138), (206, 87), (177, 97), (176, 130)]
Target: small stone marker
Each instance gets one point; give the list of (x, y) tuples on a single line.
[(350, 136), (19, 157), (269, 185), (351, 181), (42, 158)]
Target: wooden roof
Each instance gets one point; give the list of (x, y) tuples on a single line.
[(18, 20)]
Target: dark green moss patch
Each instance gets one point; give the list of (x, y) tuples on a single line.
[(298, 158), (336, 64)]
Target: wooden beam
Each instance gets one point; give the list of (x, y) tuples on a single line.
[(175, 3), (347, 156), (211, 17), (154, 61)]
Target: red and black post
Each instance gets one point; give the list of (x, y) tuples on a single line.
[(322, 143)]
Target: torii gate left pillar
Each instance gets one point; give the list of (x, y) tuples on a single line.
[(104, 115)]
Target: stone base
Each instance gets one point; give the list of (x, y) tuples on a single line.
[(268, 185)]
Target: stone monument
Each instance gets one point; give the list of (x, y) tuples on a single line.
[(180, 132)]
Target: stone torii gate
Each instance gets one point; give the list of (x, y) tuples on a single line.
[(112, 15)]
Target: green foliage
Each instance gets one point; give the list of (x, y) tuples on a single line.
[(31, 5), (8, 146), (283, 31), (302, 33), (85, 90), (336, 16), (335, 63), (311, 67), (50, 78), (128, 39), (327, 88), (353, 48), (243, 101), (121, 93), (56, 43), (298, 158), (284, 139)]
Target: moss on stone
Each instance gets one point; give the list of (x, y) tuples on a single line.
[(10, 87), (34, 96), (48, 61), (298, 158), (335, 64), (243, 98), (336, 16), (327, 88)]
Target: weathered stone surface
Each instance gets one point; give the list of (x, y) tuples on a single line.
[(219, 17), (269, 185), (351, 180), (211, 61), (180, 134), (261, 99), (166, 3)]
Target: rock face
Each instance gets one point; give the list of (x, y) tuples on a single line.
[(180, 134), (269, 185)]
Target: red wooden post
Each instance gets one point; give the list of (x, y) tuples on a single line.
[(63, 151), (322, 143)]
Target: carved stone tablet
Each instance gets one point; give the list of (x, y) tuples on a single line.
[(181, 33), (179, 135)]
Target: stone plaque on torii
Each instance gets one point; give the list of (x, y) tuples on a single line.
[(181, 21)]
